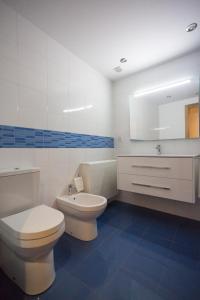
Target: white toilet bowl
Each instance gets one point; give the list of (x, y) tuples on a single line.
[(81, 211), (27, 241)]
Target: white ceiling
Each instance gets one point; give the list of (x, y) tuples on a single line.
[(146, 32)]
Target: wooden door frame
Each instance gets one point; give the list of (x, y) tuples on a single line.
[(186, 118)]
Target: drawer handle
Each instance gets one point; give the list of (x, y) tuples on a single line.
[(152, 186), (151, 167)]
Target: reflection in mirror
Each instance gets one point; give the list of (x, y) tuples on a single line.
[(166, 111)]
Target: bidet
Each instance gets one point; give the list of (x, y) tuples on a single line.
[(81, 211)]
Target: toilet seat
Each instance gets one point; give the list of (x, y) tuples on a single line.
[(25, 245), (33, 224)]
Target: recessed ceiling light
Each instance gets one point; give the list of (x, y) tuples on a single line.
[(117, 69), (191, 27), (123, 60)]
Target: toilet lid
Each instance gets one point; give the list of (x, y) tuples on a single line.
[(35, 223)]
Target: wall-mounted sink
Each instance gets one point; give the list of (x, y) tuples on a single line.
[(160, 155)]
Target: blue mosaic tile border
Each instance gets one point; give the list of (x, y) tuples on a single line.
[(20, 137)]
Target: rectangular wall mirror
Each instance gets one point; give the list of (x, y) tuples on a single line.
[(169, 110)]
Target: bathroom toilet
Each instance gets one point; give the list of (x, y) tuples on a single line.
[(28, 236), (81, 211)]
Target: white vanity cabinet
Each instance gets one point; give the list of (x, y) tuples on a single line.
[(171, 177)]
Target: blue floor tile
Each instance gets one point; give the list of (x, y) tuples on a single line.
[(186, 251), (188, 234), (117, 249), (185, 255), (179, 282), (67, 288), (70, 252), (138, 254), (162, 229), (145, 268), (118, 215), (97, 270), (120, 221), (104, 231), (156, 249), (124, 286), (135, 231)]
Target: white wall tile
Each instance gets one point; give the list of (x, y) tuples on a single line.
[(76, 156), (9, 103), (58, 98), (65, 123), (32, 119), (32, 79), (32, 99), (58, 173), (9, 70), (41, 160), (8, 23), (55, 122), (15, 158), (39, 78), (58, 71), (32, 59), (9, 50), (32, 108), (31, 37), (56, 52), (78, 121), (99, 154), (10, 158)]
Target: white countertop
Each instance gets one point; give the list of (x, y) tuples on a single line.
[(160, 155)]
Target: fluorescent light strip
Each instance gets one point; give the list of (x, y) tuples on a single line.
[(161, 128), (161, 87), (77, 109)]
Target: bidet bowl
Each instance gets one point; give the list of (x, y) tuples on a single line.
[(81, 211)]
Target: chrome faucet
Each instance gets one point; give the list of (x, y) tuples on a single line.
[(70, 189), (158, 148)]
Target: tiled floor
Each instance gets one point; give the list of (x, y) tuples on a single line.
[(139, 255)]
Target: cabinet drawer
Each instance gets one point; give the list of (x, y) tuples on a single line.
[(178, 168), (181, 190)]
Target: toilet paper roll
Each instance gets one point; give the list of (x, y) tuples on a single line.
[(78, 182)]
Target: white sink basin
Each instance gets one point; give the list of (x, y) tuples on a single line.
[(160, 155)]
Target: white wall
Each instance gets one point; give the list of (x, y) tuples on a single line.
[(38, 80), (172, 116), (122, 90)]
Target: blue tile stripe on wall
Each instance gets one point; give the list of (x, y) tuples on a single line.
[(20, 137)]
